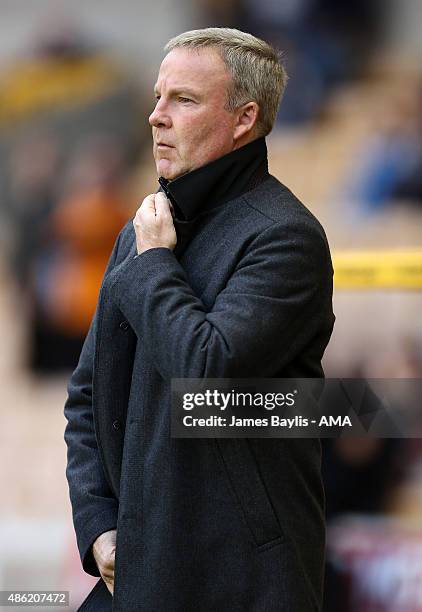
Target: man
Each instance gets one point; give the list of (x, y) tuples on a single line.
[(228, 276)]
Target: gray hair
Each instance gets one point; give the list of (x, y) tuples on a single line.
[(255, 66)]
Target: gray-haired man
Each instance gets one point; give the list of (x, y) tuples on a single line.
[(228, 276)]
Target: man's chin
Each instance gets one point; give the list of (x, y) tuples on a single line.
[(165, 169), (168, 171)]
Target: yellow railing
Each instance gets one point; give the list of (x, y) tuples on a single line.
[(392, 269)]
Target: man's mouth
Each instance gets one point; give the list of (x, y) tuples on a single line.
[(163, 145)]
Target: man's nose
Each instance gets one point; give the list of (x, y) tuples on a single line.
[(159, 117)]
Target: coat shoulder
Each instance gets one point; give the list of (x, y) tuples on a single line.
[(276, 202)]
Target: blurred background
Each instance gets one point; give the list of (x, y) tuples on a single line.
[(75, 162)]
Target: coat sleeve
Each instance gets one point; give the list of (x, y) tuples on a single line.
[(271, 307), (94, 506)]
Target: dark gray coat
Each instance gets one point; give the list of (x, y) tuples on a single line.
[(203, 525)]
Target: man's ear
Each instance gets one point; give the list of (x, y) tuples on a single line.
[(247, 116)]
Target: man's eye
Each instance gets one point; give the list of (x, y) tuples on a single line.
[(157, 97), (182, 99)]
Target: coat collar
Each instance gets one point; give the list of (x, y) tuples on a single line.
[(221, 180)]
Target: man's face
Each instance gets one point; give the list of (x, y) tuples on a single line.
[(190, 126)]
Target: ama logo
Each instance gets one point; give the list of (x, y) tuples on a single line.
[(335, 421)]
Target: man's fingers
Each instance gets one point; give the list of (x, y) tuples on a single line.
[(162, 205), (107, 573), (147, 207), (108, 566), (153, 224), (149, 203), (108, 561), (104, 551), (109, 582)]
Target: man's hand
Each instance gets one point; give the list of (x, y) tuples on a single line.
[(153, 224), (104, 550)]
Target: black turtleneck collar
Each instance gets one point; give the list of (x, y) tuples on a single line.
[(217, 182)]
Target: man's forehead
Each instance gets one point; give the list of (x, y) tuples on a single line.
[(183, 67)]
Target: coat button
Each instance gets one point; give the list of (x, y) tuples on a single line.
[(124, 325), (116, 424)]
